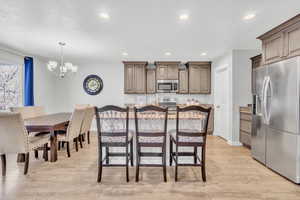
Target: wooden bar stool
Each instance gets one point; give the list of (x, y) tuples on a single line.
[(112, 125), (151, 129), (191, 131)]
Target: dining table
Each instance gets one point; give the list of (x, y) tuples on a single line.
[(50, 123)]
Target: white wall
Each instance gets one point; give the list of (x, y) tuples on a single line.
[(43, 81), (239, 84)]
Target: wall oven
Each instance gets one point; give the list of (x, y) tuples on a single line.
[(167, 86)]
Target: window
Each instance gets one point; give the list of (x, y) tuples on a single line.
[(10, 86)]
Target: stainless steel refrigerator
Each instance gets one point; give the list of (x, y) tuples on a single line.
[(275, 128)]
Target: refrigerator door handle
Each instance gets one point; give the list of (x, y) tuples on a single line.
[(263, 100), (269, 90)]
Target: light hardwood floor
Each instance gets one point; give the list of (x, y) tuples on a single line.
[(231, 174)]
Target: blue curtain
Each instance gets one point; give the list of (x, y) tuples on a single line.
[(28, 82)]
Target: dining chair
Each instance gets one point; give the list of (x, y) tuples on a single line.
[(191, 131), (113, 131), (73, 130), (86, 124), (151, 129), (30, 112), (16, 139)]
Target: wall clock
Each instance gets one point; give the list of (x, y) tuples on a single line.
[(93, 84)]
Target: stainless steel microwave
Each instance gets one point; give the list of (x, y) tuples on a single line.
[(167, 86)]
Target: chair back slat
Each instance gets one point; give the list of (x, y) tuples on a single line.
[(13, 134), (150, 121), (112, 121), (192, 121)]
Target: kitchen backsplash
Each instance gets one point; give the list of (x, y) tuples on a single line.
[(155, 98)]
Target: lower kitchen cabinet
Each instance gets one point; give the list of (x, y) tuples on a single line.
[(245, 126)]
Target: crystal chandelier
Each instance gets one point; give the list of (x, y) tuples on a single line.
[(64, 68)]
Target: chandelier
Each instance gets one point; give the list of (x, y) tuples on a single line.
[(64, 68)]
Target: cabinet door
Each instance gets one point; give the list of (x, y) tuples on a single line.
[(292, 40), (194, 79), (151, 81), (172, 72), (162, 72), (129, 79), (140, 79), (273, 48), (183, 81), (204, 79)]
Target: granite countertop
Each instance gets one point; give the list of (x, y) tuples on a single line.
[(246, 109)]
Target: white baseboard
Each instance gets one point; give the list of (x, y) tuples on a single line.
[(234, 143)]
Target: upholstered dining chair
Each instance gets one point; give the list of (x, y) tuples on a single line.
[(191, 131), (86, 124), (30, 112), (113, 131), (151, 130), (73, 130), (15, 139)]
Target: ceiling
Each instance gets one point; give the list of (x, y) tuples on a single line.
[(145, 29)]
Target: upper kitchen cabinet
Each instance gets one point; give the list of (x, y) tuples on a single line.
[(167, 70), (134, 77), (151, 81), (281, 42), (199, 77), (183, 81), (256, 63)]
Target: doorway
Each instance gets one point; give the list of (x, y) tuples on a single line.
[(221, 88)]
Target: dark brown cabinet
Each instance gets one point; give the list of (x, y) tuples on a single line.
[(135, 77), (282, 42), (167, 70), (256, 62), (199, 77), (183, 81), (151, 81)]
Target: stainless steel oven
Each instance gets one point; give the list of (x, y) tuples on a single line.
[(167, 86)]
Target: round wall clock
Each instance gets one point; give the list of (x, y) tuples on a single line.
[(93, 84)]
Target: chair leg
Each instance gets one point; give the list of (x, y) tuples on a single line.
[(107, 155), (83, 137), (68, 149), (45, 152), (88, 137), (176, 167), (203, 165), (171, 152), (99, 165), (164, 164), (62, 144), (59, 145), (195, 155), (80, 141), (76, 144), (3, 161), (137, 165), (127, 171), (36, 154), (26, 163), (131, 152)]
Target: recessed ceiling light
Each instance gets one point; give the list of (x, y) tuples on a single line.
[(203, 54), (249, 16), (124, 54), (184, 17), (104, 15), (168, 54)]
